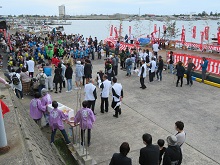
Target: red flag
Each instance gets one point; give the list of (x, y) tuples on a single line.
[(129, 30), (202, 38), (111, 30), (4, 108), (194, 32), (206, 32), (116, 32), (218, 35), (183, 36), (155, 28)]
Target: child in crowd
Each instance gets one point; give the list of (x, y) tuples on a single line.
[(56, 122), (160, 143)]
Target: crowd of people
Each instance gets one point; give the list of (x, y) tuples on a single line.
[(58, 57)]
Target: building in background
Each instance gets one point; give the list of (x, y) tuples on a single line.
[(62, 11)]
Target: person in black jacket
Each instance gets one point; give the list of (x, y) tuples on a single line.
[(87, 70), (173, 153), (58, 77), (121, 158), (68, 75), (149, 155), (180, 73), (159, 69)]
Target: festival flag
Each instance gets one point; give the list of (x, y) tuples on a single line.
[(116, 32), (183, 35), (202, 39), (207, 33), (194, 32), (111, 30), (155, 28), (4, 108), (218, 35), (164, 28), (129, 30)]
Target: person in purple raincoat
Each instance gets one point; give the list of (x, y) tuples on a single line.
[(45, 100), (86, 118), (37, 109), (56, 122)]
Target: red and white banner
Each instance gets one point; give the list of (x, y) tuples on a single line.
[(155, 28), (213, 65), (218, 36), (183, 36), (111, 30), (129, 30), (206, 33), (202, 39), (116, 32), (194, 32)]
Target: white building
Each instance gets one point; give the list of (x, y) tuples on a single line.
[(62, 11)]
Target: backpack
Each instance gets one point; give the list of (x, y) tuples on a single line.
[(15, 80), (42, 80)]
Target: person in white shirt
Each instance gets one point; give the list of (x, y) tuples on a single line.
[(131, 39), (90, 94), (117, 94), (181, 135), (16, 83), (63, 73), (140, 56), (155, 48), (41, 77), (152, 69), (142, 74), (30, 66), (105, 86)]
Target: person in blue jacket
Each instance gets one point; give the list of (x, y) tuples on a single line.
[(204, 68)]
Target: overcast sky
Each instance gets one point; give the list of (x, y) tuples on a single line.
[(78, 7)]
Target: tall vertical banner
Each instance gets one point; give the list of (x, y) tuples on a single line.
[(129, 31), (202, 39), (218, 35), (111, 30), (164, 28), (183, 35), (207, 33), (194, 32), (116, 32), (155, 28)]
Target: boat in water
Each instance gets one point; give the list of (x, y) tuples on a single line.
[(59, 22)]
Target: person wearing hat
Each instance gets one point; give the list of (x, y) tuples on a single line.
[(173, 153), (45, 100), (41, 77)]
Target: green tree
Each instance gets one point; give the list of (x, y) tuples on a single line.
[(211, 14), (204, 13), (172, 32)]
